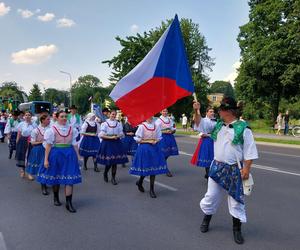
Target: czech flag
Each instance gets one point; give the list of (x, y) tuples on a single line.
[(158, 81)]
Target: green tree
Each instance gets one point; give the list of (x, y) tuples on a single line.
[(57, 96), (222, 87), (270, 50), (135, 48), (35, 93)]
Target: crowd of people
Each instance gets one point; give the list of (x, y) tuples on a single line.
[(53, 150)]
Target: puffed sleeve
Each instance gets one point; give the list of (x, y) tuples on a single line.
[(120, 129), (158, 133), (49, 136), (84, 127), (20, 126), (249, 149), (103, 129), (139, 134), (33, 135), (74, 137), (7, 129), (158, 123)]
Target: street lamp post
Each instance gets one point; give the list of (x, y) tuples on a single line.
[(70, 76)]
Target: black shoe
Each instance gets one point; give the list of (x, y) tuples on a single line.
[(140, 186), (56, 199), (44, 190), (85, 167), (123, 165), (69, 205), (152, 194), (237, 233), (10, 155), (105, 177), (205, 223), (96, 169), (169, 174), (113, 181)]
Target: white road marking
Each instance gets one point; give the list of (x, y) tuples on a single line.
[(281, 154), (2, 242), (258, 167), (160, 184)]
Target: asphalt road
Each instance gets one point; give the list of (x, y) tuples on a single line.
[(120, 217)]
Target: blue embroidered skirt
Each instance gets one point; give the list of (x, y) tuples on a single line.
[(205, 155), (129, 145), (89, 146), (111, 152), (12, 141), (168, 145), (148, 160), (229, 178), (63, 168), (35, 159), (23, 149)]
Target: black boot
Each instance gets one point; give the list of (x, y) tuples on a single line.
[(56, 195), (10, 154), (105, 177), (206, 173), (113, 175), (205, 223), (237, 233), (85, 159), (96, 169), (69, 205), (139, 183), (44, 189), (152, 180)]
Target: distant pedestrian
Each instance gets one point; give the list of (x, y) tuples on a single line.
[(279, 123), (286, 122), (184, 122)]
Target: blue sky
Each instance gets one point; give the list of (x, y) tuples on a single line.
[(76, 35)]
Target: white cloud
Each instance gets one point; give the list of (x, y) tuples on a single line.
[(65, 23), (4, 9), (134, 28), (233, 75), (34, 55), (37, 10), (46, 18), (25, 13)]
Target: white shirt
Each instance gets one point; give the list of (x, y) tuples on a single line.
[(49, 136), (165, 123), (206, 126), (152, 132), (225, 151), (111, 127), (35, 132), (184, 120), (25, 128), (9, 129), (73, 122)]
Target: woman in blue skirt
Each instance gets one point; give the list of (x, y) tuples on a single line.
[(90, 143), (61, 165), (129, 143), (204, 153), (37, 153), (148, 159), (11, 131), (23, 146), (111, 150), (168, 143)]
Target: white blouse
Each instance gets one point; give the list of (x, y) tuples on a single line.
[(9, 129), (85, 125), (148, 131), (206, 126), (111, 127), (35, 133), (165, 123), (25, 128), (49, 137)]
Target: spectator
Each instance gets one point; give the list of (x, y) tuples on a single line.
[(286, 122), (279, 123), (184, 122)]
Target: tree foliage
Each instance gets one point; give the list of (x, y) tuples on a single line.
[(270, 50), (35, 93), (135, 48), (12, 89), (222, 87), (57, 96)]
